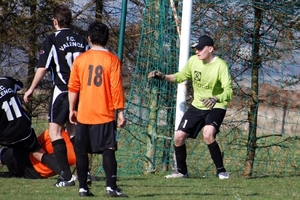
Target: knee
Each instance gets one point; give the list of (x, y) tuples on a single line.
[(209, 135), (208, 139), (179, 138)]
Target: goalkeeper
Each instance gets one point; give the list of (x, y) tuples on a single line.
[(212, 87)]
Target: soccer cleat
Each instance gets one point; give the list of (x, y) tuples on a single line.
[(177, 175), (223, 175), (114, 193), (85, 193), (89, 179), (62, 183)]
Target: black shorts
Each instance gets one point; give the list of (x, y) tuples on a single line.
[(58, 106), (29, 144), (95, 138), (195, 119), (18, 163)]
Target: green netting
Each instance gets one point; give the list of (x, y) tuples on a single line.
[(260, 42)]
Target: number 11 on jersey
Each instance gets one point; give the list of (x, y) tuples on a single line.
[(6, 106)]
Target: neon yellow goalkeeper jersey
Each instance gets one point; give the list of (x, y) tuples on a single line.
[(208, 79)]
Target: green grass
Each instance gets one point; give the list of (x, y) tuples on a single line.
[(154, 186), (275, 165)]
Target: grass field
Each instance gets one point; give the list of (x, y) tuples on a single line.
[(154, 186), (273, 170)]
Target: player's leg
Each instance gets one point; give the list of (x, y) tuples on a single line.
[(180, 153), (89, 174), (18, 163), (103, 140), (24, 164), (213, 123), (82, 148), (71, 129), (58, 116), (60, 150), (32, 145), (8, 159), (187, 128), (180, 156)]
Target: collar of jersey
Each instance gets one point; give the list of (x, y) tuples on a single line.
[(98, 48)]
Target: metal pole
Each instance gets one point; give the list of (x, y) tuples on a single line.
[(122, 30), (183, 58), (121, 39)]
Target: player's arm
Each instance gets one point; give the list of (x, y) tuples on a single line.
[(226, 82), (170, 78), (179, 77), (39, 74), (121, 118), (161, 76)]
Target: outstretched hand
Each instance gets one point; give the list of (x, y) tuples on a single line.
[(157, 75), (210, 102)]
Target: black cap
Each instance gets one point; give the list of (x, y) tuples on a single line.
[(203, 41)]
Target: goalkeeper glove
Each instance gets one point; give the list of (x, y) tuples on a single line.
[(156, 75), (210, 102)]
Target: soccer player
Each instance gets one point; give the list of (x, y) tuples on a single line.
[(212, 87), (22, 164), (57, 55), (96, 81), (15, 124)]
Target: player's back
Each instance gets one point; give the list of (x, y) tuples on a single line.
[(15, 123), (98, 77), (58, 53)]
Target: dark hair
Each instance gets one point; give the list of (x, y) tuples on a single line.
[(98, 33), (63, 15)]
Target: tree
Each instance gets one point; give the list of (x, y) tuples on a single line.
[(254, 38)]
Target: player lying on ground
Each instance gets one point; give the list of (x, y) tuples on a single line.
[(15, 124), (21, 163)]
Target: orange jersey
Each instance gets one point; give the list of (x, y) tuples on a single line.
[(45, 141), (96, 76)]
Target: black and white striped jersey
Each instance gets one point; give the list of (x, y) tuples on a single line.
[(58, 52), (15, 123)]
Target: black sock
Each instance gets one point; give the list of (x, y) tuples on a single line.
[(51, 162), (60, 153), (216, 156), (82, 169), (180, 153), (110, 168), (90, 161)]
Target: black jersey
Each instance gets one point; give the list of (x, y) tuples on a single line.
[(58, 53), (15, 123)]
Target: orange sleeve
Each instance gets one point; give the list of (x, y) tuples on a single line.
[(117, 84)]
